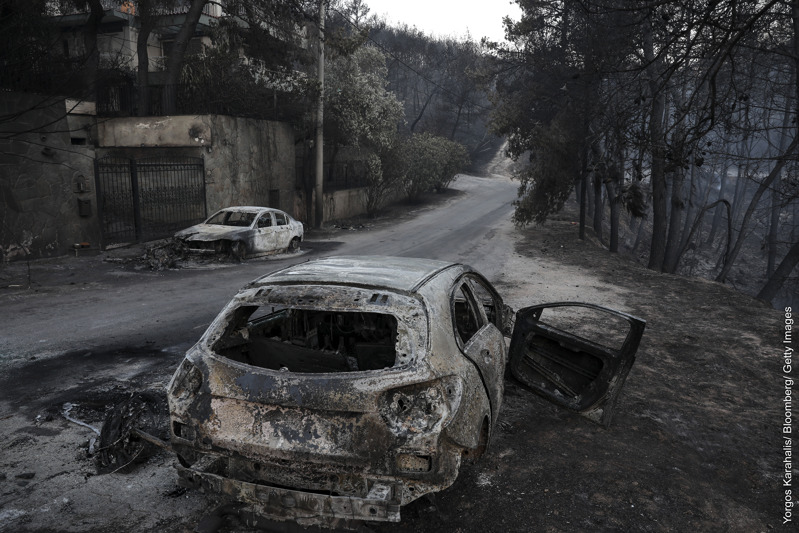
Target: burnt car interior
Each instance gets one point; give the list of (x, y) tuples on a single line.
[(232, 218), (557, 358), (466, 318), (309, 341)]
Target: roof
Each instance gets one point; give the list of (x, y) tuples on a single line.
[(247, 208), (398, 273)]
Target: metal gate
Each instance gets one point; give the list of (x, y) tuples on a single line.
[(150, 198)]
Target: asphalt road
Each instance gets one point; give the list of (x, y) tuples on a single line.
[(91, 332), (106, 306)]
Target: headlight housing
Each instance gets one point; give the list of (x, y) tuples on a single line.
[(186, 382), (421, 408)]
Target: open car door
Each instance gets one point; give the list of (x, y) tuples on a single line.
[(550, 353)]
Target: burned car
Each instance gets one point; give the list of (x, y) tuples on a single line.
[(344, 388), (244, 231)]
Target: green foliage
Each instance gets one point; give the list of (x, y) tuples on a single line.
[(29, 59), (381, 181), (439, 82), (547, 181), (267, 32), (249, 71), (554, 102), (228, 83), (430, 162), (359, 111), (456, 158)]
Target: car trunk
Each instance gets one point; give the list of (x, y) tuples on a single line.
[(307, 379), (312, 341)]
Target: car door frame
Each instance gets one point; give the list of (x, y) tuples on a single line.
[(559, 356), (282, 231), (485, 348), (265, 239)]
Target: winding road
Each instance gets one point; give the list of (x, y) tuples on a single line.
[(112, 306)]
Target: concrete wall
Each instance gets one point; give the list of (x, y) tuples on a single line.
[(42, 177), (340, 205), (344, 204), (247, 161)]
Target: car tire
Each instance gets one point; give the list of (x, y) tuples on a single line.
[(294, 245), (238, 250)]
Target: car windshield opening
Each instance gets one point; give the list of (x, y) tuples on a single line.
[(309, 341), (232, 218)]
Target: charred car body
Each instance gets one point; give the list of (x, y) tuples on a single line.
[(244, 231), (347, 387)]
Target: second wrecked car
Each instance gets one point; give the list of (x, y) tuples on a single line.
[(244, 231), (344, 388)]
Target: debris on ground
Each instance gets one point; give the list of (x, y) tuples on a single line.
[(121, 446), (165, 254), (350, 227), (65, 412)]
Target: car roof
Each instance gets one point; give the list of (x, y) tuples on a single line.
[(398, 273), (248, 209)]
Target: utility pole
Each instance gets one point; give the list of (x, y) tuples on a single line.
[(320, 105)]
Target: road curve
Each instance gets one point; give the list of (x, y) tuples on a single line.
[(171, 309)]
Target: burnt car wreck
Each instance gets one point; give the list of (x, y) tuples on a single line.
[(244, 231), (342, 389)]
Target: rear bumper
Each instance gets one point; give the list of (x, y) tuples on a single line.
[(289, 504)]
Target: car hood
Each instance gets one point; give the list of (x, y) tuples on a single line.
[(211, 232)]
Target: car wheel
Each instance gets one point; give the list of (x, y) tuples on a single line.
[(238, 250), (294, 245)]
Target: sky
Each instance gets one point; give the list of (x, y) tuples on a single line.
[(449, 18)]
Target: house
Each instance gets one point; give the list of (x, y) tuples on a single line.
[(81, 163)]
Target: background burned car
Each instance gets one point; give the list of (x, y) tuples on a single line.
[(244, 231), (346, 387)]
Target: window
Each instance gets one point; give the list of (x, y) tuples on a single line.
[(487, 300), (309, 340), (467, 318), (281, 219), (265, 221), (232, 218)]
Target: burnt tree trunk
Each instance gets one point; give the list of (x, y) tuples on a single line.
[(612, 189), (147, 21), (776, 196), (175, 60), (424, 107), (92, 59), (690, 197), (777, 279), (657, 250), (729, 258), (671, 254), (714, 226), (598, 211)]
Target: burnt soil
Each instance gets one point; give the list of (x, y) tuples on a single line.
[(695, 442)]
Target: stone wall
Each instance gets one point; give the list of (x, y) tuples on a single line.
[(42, 178)]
